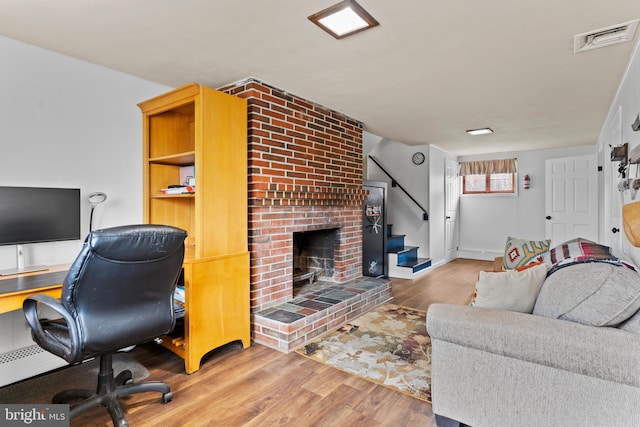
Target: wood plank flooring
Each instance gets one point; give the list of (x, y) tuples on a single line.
[(261, 387)]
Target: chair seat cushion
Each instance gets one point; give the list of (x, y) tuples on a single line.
[(57, 341), (595, 293)]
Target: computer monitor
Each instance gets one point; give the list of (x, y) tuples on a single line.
[(36, 215)]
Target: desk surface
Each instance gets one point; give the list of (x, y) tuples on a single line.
[(31, 283), (14, 289)]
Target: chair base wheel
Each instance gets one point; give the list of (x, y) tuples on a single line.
[(124, 377), (109, 389)]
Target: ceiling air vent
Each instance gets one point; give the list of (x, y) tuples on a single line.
[(605, 36)]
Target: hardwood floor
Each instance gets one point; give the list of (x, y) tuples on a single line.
[(260, 387)]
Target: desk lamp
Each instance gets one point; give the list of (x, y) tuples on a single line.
[(95, 199)]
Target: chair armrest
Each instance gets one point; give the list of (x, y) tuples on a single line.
[(47, 340), (601, 352)]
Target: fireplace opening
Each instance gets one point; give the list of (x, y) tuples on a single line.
[(314, 255)]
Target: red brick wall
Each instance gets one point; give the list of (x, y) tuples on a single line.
[(305, 172)]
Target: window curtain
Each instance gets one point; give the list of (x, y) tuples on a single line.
[(485, 167)]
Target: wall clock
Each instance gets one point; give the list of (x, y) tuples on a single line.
[(418, 158)]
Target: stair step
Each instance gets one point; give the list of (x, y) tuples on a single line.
[(416, 264), (406, 257), (407, 254), (401, 250), (395, 242)]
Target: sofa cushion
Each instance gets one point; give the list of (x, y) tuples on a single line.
[(632, 324), (521, 252), (514, 290), (595, 293)]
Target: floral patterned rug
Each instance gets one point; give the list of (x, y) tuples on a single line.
[(388, 345)]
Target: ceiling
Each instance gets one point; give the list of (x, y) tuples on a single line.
[(430, 71)]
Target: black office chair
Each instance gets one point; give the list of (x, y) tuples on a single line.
[(117, 293)]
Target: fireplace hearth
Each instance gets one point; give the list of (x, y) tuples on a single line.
[(319, 308)]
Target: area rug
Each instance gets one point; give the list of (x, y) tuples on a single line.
[(42, 388), (388, 345)]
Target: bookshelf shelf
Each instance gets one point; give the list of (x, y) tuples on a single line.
[(173, 196), (178, 159)]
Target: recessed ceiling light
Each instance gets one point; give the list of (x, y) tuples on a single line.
[(482, 131), (343, 19)]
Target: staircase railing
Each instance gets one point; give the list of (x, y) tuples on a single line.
[(395, 183)]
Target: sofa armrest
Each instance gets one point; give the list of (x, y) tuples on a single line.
[(602, 352)]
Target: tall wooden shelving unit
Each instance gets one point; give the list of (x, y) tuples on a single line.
[(201, 127)]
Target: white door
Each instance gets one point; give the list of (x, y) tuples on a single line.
[(452, 197), (614, 228), (613, 209), (571, 198)]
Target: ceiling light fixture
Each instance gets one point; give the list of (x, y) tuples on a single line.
[(343, 19), (482, 131)]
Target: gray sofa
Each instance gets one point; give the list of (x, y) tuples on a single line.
[(574, 362)]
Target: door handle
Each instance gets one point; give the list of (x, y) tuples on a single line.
[(548, 217), (615, 230), (448, 217)]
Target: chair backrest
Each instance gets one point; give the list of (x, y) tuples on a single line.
[(120, 286)]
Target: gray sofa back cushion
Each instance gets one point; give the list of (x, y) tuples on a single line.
[(632, 324), (597, 294)]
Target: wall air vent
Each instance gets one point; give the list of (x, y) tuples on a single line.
[(605, 36)]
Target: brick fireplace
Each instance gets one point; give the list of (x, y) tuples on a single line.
[(305, 174)]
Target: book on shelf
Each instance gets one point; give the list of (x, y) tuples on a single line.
[(178, 301), (182, 189)]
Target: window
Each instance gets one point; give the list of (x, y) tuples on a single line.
[(489, 176), (489, 184)]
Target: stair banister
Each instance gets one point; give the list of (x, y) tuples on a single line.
[(395, 183)]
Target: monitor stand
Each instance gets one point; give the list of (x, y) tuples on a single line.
[(20, 262)]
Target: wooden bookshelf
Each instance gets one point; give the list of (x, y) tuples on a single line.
[(207, 129)]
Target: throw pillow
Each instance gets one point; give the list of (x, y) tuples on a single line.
[(514, 290), (580, 250), (595, 293), (520, 252)]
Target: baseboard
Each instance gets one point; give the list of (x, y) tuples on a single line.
[(438, 263), (480, 255), (27, 362)]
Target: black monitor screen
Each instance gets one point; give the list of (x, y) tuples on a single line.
[(32, 215)]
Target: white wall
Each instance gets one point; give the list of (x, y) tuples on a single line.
[(484, 221), (425, 182), (68, 123), (487, 220), (627, 102), (405, 216)]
